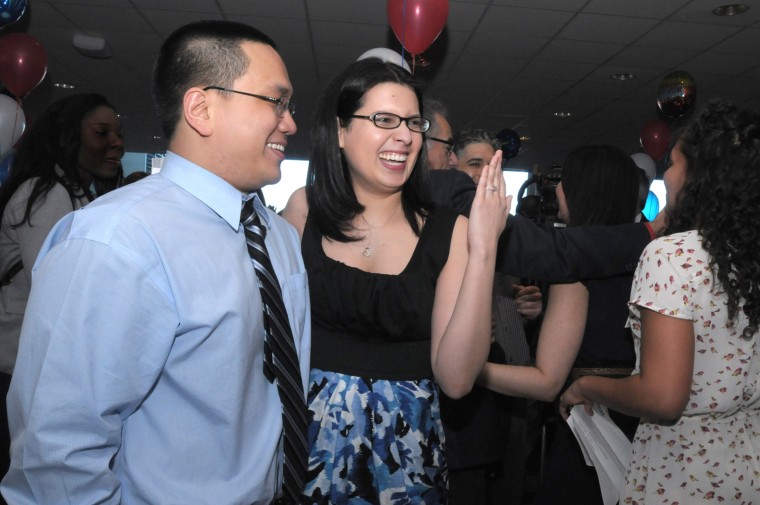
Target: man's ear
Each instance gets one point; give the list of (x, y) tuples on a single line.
[(340, 132), (196, 108)]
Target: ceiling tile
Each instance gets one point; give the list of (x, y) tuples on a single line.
[(690, 36), (638, 56), (280, 8), (721, 63), (165, 21), (351, 11), (655, 9), (700, 11), (103, 18), (569, 5), (611, 29), (560, 70), (350, 34), (178, 5), (504, 45), (577, 50), (746, 41), (464, 16), (519, 22)]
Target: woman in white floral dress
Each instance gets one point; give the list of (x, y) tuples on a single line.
[(695, 309)]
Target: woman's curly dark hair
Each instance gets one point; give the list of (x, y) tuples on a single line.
[(720, 198)]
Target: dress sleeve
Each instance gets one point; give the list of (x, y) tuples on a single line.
[(664, 278)]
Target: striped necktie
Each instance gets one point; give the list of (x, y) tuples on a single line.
[(280, 357)]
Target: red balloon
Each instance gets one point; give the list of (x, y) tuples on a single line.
[(655, 138), (417, 23), (23, 63)]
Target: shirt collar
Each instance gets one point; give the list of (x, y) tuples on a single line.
[(219, 195)]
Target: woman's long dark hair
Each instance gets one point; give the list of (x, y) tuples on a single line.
[(720, 198), (601, 186), (329, 193), (53, 139)]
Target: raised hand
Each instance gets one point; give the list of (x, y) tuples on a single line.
[(488, 215)]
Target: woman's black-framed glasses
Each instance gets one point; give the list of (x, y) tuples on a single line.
[(390, 121), (449, 143), (281, 104)]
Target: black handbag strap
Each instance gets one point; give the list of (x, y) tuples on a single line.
[(11, 273)]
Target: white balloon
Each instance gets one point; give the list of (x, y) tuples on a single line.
[(646, 163), (12, 124), (387, 55)]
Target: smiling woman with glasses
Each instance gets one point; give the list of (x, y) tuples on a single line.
[(385, 269), (281, 104)]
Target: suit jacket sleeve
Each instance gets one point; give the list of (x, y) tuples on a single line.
[(533, 251)]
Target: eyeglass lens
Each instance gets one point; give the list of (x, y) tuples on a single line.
[(390, 121)]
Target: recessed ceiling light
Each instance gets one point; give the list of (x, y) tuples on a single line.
[(623, 76), (730, 10), (563, 114), (63, 85)]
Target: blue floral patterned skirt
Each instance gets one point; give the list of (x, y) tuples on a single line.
[(374, 441)]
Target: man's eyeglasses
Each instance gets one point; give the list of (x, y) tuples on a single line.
[(449, 143), (281, 104), (390, 121)]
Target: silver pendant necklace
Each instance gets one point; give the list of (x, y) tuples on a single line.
[(367, 250)]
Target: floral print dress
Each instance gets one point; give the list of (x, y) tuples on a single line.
[(711, 454)]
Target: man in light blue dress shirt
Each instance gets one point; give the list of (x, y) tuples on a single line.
[(139, 376)]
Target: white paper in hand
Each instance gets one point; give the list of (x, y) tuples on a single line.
[(604, 446)]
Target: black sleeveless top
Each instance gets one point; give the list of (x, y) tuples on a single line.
[(370, 325)]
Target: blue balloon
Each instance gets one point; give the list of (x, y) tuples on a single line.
[(510, 143), (5, 168), (11, 11), (651, 207)]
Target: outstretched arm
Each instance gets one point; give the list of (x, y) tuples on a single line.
[(661, 389), (532, 251), (558, 343)]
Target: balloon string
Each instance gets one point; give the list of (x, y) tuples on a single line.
[(15, 123), (403, 35)]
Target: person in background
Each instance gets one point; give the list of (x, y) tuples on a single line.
[(694, 312), (472, 148), (584, 322), (439, 139), (447, 186), (477, 425), (76, 139), (143, 374), (400, 291)]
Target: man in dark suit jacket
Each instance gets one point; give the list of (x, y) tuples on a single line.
[(527, 249)]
